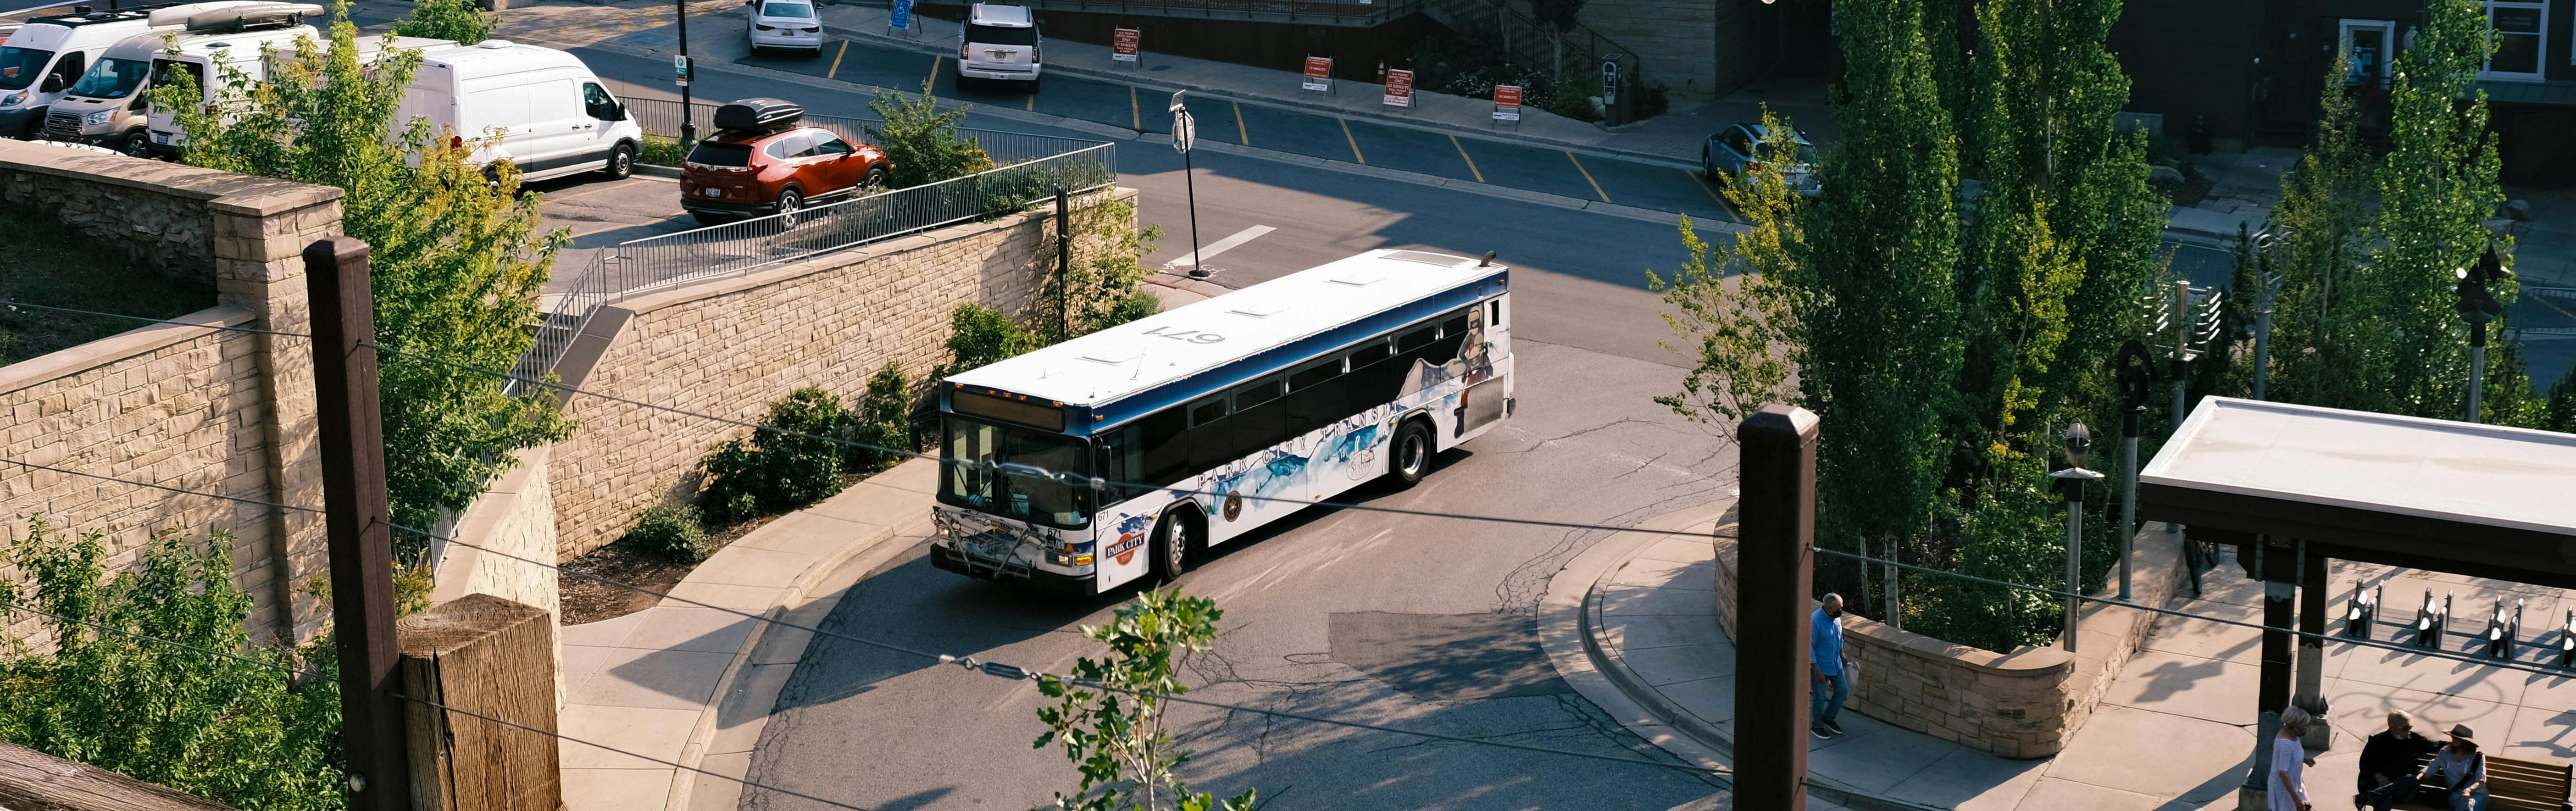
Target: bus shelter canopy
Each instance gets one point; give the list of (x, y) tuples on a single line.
[(2481, 500)]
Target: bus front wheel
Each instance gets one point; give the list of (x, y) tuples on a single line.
[(1411, 453), (1174, 540)]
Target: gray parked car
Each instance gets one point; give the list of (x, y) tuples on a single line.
[(1730, 152)]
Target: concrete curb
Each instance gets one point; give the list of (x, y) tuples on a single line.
[(684, 780), (650, 170), (1568, 616), (1122, 133), (1224, 94)]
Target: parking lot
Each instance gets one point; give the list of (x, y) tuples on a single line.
[(603, 212)]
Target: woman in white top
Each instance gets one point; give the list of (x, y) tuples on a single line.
[(2289, 790)]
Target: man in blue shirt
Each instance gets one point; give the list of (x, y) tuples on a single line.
[(1826, 668)]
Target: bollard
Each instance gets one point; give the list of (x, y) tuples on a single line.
[(2426, 631), (2356, 618), (2567, 641), (2498, 644)]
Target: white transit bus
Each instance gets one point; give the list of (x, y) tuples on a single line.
[(1128, 452)]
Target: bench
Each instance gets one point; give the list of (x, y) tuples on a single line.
[(2514, 784)]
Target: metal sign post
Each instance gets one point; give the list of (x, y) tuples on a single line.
[(1184, 130), (684, 69)]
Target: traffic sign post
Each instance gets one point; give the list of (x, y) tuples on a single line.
[(1399, 88), (1123, 44), (1185, 130), (680, 70), (1319, 74), (1507, 104)]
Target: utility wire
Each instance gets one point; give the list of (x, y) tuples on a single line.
[(764, 787), (287, 669), (2435, 652), (9, 303), (181, 491), (1007, 671), (1014, 469)]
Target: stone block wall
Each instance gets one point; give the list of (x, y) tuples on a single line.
[(731, 347), (191, 406), (511, 529), (2023, 704)]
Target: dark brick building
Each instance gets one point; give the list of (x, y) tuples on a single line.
[(2249, 70)]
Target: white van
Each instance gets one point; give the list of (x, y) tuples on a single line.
[(539, 108), (43, 58), (208, 58), (109, 105), (998, 42)]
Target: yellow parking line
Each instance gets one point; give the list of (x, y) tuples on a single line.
[(1355, 142), (1703, 186), (1587, 175), (1135, 114), (836, 59), (1033, 103), (934, 66), (1471, 162), (1241, 134)]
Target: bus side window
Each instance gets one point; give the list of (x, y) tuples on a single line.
[(1211, 434), (1317, 395), (1260, 418), (1374, 376), (1494, 313), (1165, 437)]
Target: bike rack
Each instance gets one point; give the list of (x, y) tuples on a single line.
[(2567, 641), (2430, 621), (2362, 613), (2502, 633)]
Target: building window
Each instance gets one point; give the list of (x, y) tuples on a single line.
[(2521, 28), (2372, 44)]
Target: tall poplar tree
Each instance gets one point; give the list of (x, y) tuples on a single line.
[(2436, 190)]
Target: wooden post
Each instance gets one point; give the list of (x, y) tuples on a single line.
[(35, 781), (357, 521), (1776, 525), (488, 656)]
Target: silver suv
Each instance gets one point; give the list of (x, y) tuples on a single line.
[(998, 42)]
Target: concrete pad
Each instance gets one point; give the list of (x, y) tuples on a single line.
[(2056, 793), (607, 632), (614, 789), (641, 732), (754, 599), (581, 662), (1671, 574), (1712, 699), (689, 628), (1680, 663), (2149, 753), (2207, 689), (872, 504), (2416, 671), (1971, 781), (641, 677), (1619, 600), (714, 792), (1876, 756), (915, 475), (2210, 640), (2548, 691), (746, 705), (2540, 732), (751, 566), (806, 532), (1641, 631), (1679, 548)]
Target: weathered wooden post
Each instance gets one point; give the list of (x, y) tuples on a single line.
[(481, 656), (35, 781), (1776, 526)]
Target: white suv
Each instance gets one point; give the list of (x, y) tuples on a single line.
[(784, 24), (998, 42)]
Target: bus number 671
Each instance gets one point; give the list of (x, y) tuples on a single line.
[(1192, 336)]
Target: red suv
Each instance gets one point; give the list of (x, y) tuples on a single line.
[(776, 168)]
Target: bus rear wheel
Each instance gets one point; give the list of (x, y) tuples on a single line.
[(1410, 454), (1174, 540)]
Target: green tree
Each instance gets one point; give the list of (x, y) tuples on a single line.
[(2321, 341), (234, 731), (458, 255), (2436, 189), (458, 21), (1100, 288), (1109, 716), (921, 140), (979, 335), (1742, 329)]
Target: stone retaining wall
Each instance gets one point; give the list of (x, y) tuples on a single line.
[(731, 347), (2023, 704), (511, 529), (188, 405)]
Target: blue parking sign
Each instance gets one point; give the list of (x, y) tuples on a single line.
[(902, 15)]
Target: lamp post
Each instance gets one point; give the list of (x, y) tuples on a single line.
[(2071, 481), (2479, 306), (2137, 372)]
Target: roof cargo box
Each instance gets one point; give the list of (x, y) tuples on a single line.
[(758, 114)]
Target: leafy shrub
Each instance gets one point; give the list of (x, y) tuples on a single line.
[(980, 335), (1653, 100), (671, 530), (660, 151), (234, 731), (1136, 304), (921, 141), (1572, 98), (883, 420), (788, 464), (453, 20)]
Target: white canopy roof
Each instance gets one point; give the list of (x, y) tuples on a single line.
[(2433, 469)]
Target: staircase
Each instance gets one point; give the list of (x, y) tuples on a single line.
[(1525, 41)]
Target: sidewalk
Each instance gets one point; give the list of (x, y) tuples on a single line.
[(2173, 731), (694, 685)]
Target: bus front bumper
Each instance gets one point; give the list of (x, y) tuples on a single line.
[(1032, 578)]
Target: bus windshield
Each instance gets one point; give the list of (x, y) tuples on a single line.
[(972, 444)]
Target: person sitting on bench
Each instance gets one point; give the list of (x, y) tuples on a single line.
[(2388, 764), (2460, 770)]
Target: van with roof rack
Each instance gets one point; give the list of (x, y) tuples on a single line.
[(246, 41), (44, 57)]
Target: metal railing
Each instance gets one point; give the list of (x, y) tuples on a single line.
[(670, 260), (1326, 12), (661, 117)]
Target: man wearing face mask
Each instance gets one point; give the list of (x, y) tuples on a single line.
[(1826, 668)]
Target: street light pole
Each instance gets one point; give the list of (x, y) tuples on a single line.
[(2479, 305), (2071, 481), (2137, 371)]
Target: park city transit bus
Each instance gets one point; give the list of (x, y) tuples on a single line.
[(1128, 452)]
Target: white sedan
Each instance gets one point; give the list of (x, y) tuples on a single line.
[(785, 24)]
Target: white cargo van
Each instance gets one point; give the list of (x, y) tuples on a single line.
[(43, 58), (998, 42), (108, 106), (205, 58), (539, 108)]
